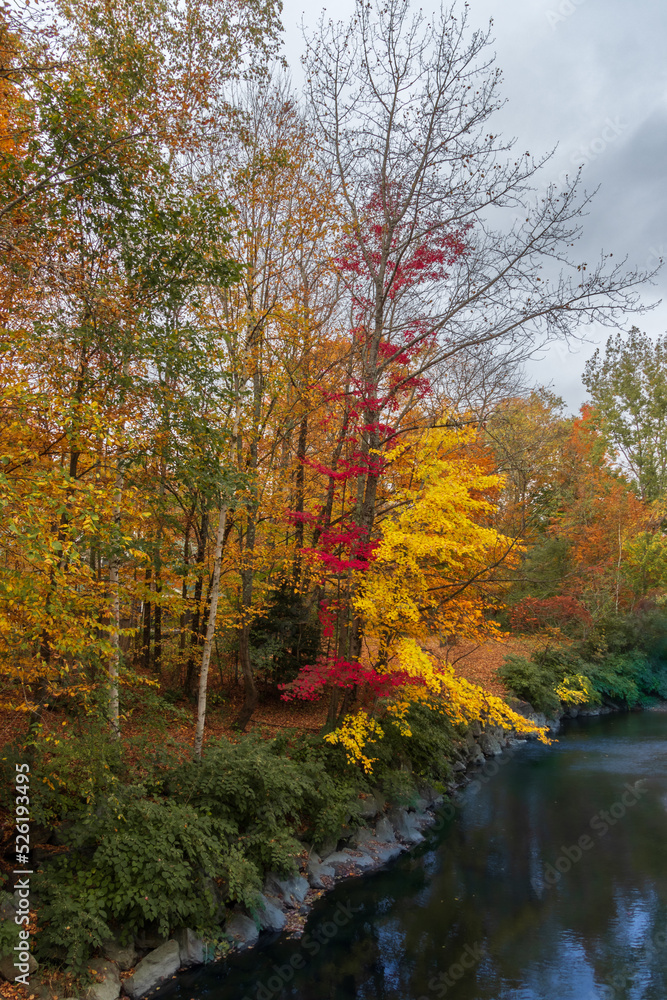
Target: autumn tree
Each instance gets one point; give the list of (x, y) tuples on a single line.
[(628, 388), (402, 110)]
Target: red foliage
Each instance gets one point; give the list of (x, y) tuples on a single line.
[(533, 614)]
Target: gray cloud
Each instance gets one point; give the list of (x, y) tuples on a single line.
[(589, 77)]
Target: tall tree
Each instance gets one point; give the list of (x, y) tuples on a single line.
[(628, 387), (402, 110)]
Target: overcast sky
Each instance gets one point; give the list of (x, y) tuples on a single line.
[(589, 76)]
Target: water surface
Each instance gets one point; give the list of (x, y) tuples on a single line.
[(548, 883)]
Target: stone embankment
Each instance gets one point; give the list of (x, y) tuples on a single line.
[(285, 902)]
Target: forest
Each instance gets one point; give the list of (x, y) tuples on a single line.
[(271, 472)]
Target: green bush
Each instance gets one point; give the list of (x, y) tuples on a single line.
[(254, 790), (532, 681), (624, 659), (134, 862)]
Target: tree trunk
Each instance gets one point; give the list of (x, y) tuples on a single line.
[(210, 631), (146, 641), (197, 615)]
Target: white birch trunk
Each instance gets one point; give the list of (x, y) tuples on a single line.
[(210, 631), (114, 637)]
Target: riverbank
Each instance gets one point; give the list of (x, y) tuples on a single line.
[(381, 825), (369, 825)]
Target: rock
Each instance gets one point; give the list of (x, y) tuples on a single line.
[(269, 915), (8, 970), (108, 985), (339, 858), (387, 852), (429, 794), (384, 831), (124, 955), (489, 745), (362, 836), (243, 931), (328, 846), (368, 807), (347, 858), (7, 909), (316, 871), (191, 948), (158, 965), (476, 728), (406, 827), (458, 766), (291, 890)]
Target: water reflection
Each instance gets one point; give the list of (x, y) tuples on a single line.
[(550, 883)]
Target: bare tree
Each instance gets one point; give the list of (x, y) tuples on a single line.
[(450, 248)]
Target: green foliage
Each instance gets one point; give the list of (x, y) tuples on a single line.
[(285, 638), (253, 791), (426, 753), (532, 681), (333, 799), (624, 659), (9, 931), (132, 862), (629, 390), (70, 769)]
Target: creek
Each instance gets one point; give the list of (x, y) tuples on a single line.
[(548, 882)]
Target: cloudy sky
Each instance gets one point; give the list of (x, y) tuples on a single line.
[(589, 76)]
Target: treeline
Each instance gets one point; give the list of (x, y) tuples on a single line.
[(260, 405)]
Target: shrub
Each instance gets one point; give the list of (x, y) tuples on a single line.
[(532, 682), (133, 862), (252, 789)]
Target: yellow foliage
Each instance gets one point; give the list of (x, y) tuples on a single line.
[(434, 556), (574, 690), (354, 734)]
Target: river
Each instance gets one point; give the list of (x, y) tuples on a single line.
[(548, 883)]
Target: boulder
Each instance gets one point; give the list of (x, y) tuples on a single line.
[(475, 755), (490, 745), (124, 955), (242, 930), (292, 890), (107, 986), (328, 846), (269, 914), (191, 948), (8, 970), (316, 871), (158, 965), (367, 806), (384, 831), (406, 826), (430, 795), (386, 852), (347, 858), (362, 836), (7, 909)]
